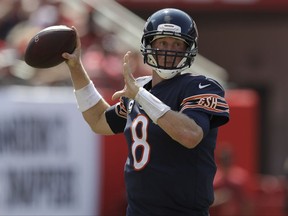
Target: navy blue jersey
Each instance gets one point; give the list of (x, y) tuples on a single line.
[(162, 176)]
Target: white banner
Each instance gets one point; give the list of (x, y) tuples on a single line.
[(49, 157)]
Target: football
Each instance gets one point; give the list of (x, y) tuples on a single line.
[(45, 49)]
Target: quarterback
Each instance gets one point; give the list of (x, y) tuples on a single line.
[(170, 119)]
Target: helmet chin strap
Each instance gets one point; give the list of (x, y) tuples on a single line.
[(167, 73)]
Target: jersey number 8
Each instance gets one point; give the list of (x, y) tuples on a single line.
[(140, 142)]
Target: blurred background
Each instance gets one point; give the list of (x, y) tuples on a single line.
[(242, 44)]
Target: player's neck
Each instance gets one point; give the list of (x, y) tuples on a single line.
[(156, 79)]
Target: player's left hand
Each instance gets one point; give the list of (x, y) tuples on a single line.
[(131, 88)]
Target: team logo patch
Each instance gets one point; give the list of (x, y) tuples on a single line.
[(121, 109), (130, 105)]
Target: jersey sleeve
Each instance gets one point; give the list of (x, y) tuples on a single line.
[(116, 116), (207, 96)]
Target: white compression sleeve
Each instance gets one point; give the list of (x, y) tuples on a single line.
[(151, 104), (87, 97)]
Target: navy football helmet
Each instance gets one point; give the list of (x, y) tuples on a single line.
[(169, 22)]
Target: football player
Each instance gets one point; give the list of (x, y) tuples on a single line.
[(169, 119)]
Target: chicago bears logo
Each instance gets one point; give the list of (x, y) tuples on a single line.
[(130, 105)]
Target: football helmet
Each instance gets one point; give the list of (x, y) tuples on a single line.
[(175, 23)]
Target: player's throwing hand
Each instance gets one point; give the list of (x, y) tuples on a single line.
[(73, 58)]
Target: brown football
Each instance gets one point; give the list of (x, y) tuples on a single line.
[(45, 49)]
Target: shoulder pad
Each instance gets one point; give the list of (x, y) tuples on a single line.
[(141, 81)]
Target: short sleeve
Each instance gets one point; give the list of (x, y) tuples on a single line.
[(206, 96), (116, 117)]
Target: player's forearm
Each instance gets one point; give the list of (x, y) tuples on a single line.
[(93, 107), (177, 125), (90, 101), (95, 117), (181, 128), (78, 75)]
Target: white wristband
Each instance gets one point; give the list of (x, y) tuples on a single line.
[(151, 104), (87, 97)]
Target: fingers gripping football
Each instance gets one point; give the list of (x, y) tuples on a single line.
[(73, 58)]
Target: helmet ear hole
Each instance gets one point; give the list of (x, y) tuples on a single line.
[(170, 22)]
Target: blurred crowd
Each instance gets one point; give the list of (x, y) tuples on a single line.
[(102, 54), (239, 192)]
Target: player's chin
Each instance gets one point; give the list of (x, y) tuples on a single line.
[(66, 55), (167, 65)]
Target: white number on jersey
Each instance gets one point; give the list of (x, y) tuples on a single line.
[(140, 142)]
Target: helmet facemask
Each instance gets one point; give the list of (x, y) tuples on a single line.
[(169, 68)]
